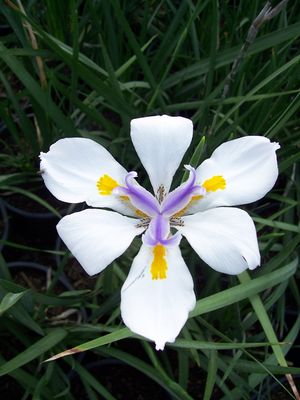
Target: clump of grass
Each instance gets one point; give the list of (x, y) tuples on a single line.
[(77, 68)]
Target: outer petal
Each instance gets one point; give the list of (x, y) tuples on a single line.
[(161, 142), (157, 309), (248, 165), (72, 167), (97, 237), (225, 238)]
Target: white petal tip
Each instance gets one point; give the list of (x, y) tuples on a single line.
[(159, 345), (252, 267), (276, 146)]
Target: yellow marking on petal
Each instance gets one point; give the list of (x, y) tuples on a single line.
[(159, 264), (183, 210), (198, 197), (215, 183), (106, 185), (140, 213), (125, 198), (211, 185)]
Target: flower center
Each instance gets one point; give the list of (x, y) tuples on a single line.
[(158, 213)]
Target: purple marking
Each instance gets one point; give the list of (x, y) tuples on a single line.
[(181, 196), (139, 197), (158, 232)]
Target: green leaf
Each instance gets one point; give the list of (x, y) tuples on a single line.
[(244, 290), (195, 159), (9, 300), (34, 351)]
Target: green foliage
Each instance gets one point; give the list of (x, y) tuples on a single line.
[(86, 68)]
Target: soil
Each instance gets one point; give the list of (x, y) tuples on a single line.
[(122, 381)]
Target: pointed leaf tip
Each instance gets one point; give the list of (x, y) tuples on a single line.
[(65, 353)]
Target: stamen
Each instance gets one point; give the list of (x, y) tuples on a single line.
[(106, 184), (215, 183), (176, 221), (159, 264), (161, 193)]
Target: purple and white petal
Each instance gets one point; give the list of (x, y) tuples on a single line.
[(139, 197), (179, 198), (159, 232)]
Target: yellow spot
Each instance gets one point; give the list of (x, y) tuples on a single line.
[(106, 185), (159, 264), (215, 183)]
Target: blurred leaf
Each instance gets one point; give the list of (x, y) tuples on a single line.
[(9, 300), (34, 351)]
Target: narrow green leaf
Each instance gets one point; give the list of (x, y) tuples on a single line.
[(204, 345), (244, 290), (211, 374), (9, 300), (263, 317), (194, 161), (34, 351)]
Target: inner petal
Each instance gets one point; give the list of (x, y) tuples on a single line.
[(213, 184), (140, 198), (159, 232), (179, 198)]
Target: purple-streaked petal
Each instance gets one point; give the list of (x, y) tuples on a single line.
[(181, 196), (159, 232), (139, 197)]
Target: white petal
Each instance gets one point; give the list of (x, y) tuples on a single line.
[(225, 238), (160, 143), (97, 237), (72, 167), (248, 165), (157, 309)]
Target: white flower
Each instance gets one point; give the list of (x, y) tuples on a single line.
[(158, 295)]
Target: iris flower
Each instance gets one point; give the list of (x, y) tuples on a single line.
[(158, 295)]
